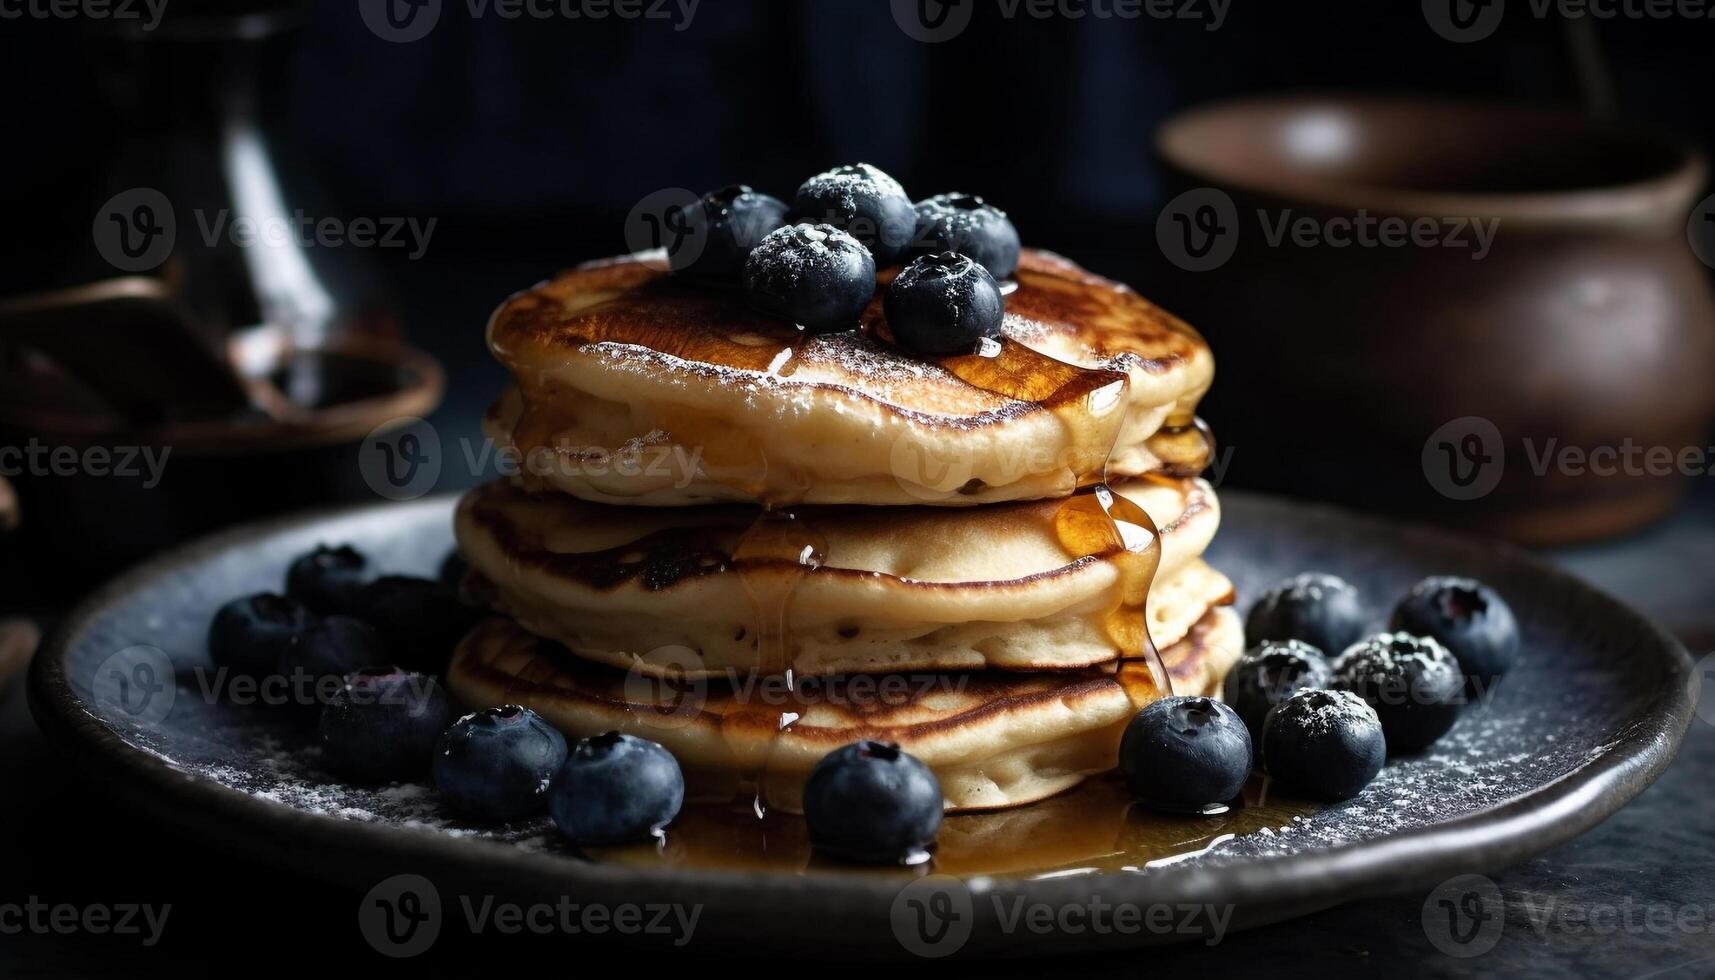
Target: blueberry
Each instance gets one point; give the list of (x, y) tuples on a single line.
[(453, 570), (872, 803), (249, 635), (967, 224), (1321, 610), (327, 579), (814, 275), (615, 788), (329, 650), (1468, 618), (497, 764), (419, 619), (1323, 744), (381, 725), (720, 230), (864, 201), (943, 304), (1412, 682), (1268, 673), (1185, 754)]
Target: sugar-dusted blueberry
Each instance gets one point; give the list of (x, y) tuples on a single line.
[(328, 578), (943, 304), (860, 199), (1412, 682), (1468, 618), (969, 225), (615, 788), (382, 723), (872, 803), (1325, 745), (330, 649), (1185, 754), (814, 275), (1320, 609), (719, 232), (497, 764), (1267, 674), (419, 619), (249, 635)]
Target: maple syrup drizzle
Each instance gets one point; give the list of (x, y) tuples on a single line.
[(773, 557)]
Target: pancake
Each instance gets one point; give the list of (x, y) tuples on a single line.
[(994, 739), (899, 589), (634, 388)]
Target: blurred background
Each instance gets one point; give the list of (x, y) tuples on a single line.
[(163, 374), (491, 144)]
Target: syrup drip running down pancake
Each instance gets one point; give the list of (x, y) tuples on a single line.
[(633, 388), (994, 739), (659, 590)]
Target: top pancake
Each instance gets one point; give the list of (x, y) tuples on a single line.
[(632, 387)]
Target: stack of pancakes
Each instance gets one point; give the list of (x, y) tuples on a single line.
[(754, 545)]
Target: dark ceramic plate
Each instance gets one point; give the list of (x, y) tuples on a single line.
[(1591, 716)]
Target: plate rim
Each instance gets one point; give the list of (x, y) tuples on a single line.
[(1262, 890)]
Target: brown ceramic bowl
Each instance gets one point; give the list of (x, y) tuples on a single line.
[(1449, 380)]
